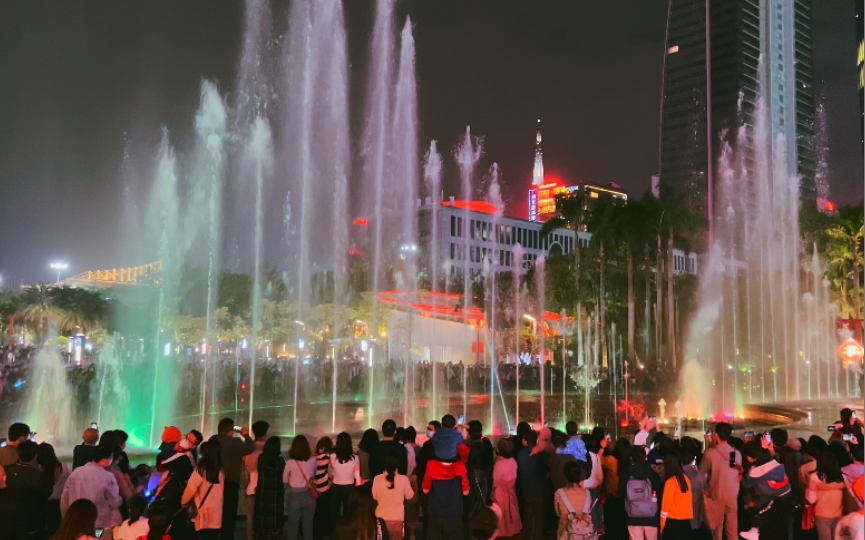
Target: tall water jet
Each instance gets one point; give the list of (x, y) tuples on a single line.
[(540, 291), (164, 222), (301, 72), (335, 132), (467, 155), (49, 406), (374, 148), (206, 192), (406, 174), (432, 177), (259, 158), (750, 319), (518, 317), (494, 197), (111, 387)]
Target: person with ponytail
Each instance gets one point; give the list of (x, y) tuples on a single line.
[(676, 505), (391, 489)]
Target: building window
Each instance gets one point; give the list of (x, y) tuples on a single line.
[(453, 227)]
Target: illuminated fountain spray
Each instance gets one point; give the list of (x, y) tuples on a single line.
[(210, 126), (752, 325), (406, 177), (433, 176), (494, 197), (49, 405), (375, 144), (518, 320), (163, 221), (467, 154), (112, 390)]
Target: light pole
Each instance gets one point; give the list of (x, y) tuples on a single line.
[(59, 266), (808, 363)]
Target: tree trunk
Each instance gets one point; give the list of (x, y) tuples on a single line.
[(647, 312), (603, 308), (856, 304), (631, 306), (659, 299), (671, 314)]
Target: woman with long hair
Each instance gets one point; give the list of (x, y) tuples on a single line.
[(504, 492), (269, 492), (299, 475), (615, 458), (576, 496), (345, 475), (79, 523), (56, 473), (826, 492), (368, 443), (676, 505), (391, 489), (205, 488), (137, 525), (322, 523)]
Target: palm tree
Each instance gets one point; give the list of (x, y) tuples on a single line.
[(67, 308), (36, 306), (79, 309), (844, 251)]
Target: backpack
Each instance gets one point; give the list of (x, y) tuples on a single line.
[(639, 501), (579, 525)]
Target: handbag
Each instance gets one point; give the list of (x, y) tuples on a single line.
[(808, 517), (312, 489), (192, 509)]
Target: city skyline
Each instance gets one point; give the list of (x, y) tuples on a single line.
[(597, 93)]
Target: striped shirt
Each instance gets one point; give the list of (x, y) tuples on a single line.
[(322, 463)]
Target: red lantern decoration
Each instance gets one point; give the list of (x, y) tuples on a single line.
[(850, 351)]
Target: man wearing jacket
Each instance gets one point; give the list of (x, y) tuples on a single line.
[(722, 482), (446, 483), (771, 511), (232, 451)]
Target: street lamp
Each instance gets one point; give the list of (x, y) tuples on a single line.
[(59, 266)]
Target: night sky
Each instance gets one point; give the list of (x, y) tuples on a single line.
[(74, 77)]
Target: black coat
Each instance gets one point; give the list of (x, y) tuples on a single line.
[(23, 502), (269, 493), (382, 451)]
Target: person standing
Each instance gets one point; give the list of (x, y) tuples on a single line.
[(571, 496), (391, 490), (299, 474), (825, 490), (641, 490), (270, 492), (206, 488), (677, 505), (18, 433), (56, 473), (322, 522), (25, 497), (345, 475), (79, 522), (82, 453), (504, 492), (250, 474), (93, 482), (722, 484), (365, 448), (388, 447), (446, 483), (533, 475), (231, 451)]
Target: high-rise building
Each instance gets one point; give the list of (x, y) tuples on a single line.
[(538, 170), (720, 53), (860, 64)]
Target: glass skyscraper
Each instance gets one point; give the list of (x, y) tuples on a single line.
[(753, 46)]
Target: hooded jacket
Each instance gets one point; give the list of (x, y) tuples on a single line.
[(446, 484), (768, 481)]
